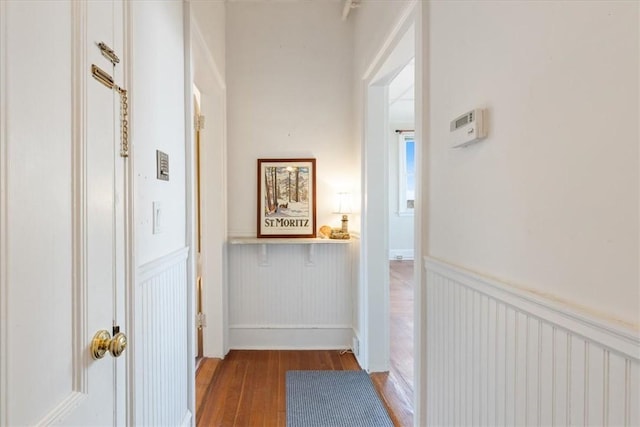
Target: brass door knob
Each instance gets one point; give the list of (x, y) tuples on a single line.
[(102, 342)]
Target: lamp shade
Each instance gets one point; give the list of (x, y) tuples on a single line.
[(344, 203)]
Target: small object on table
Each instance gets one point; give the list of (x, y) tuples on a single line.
[(337, 233), (325, 232)]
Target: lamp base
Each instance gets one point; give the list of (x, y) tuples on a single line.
[(337, 234), (345, 224)]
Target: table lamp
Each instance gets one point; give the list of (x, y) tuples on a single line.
[(344, 208)]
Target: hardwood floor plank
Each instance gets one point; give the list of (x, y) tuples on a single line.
[(204, 378), (392, 393), (213, 405), (235, 390), (401, 325)]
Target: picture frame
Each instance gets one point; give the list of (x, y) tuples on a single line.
[(286, 198)]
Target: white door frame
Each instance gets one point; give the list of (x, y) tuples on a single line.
[(190, 201), (374, 248), (130, 252), (206, 76)]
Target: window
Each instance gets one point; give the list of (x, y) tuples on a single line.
[(407, 173)]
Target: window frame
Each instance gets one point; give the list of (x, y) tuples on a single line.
[(403, 138)]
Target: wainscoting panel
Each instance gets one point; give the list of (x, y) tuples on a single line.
[(502, 356), (160, 342), (290, 296)]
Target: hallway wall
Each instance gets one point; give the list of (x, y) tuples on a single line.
[(531, 250), (289, 95), (163, 389), (549, 201), (157, 106)]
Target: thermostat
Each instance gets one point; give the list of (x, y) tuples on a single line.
[(468, 128)]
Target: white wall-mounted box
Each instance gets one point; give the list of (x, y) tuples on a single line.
[(468, 128)]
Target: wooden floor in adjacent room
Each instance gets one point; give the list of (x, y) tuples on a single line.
[(247, 388), (401, 333)]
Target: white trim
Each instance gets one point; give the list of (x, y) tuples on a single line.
[(160, 265), (63, 409), (129, 221), (4, 285), (373, 285), (421, 204), (190, 202), (188, 419), (206, 76), (348, 4), (522, 357), (375, 245), (404, 254), (79, 198), (291, 338), (387, 45), (299, 326), (403, 210), (199, 38), (614, 336)]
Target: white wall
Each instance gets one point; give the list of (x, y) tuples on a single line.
[(208, 70), (549, 201), (210, 18), (157, 123), (163, 390), (401, 239), (289, 95)]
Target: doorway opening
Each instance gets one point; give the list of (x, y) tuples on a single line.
[(389, 314), (402, 184)]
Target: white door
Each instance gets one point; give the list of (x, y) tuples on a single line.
[(62, 204)]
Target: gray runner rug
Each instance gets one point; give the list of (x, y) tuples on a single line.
[(333, 399)]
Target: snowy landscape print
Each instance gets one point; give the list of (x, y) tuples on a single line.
[(286, 192), (286, 199)]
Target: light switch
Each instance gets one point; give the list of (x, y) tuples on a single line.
[(158, 217)]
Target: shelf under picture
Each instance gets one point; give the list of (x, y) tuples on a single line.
[(287, 198)]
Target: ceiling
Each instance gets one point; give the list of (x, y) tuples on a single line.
[(402, 95)]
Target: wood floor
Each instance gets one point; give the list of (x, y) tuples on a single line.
[(247, 388), (401, 333)]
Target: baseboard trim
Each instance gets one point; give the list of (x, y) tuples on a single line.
[(290, 338), (186, 421), (401, 255)]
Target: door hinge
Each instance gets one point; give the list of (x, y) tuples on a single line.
[(198, 122), (201, 320)]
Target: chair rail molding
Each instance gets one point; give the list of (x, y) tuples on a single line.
[(503, 355)]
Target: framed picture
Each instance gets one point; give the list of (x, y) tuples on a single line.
[(286, 197)]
